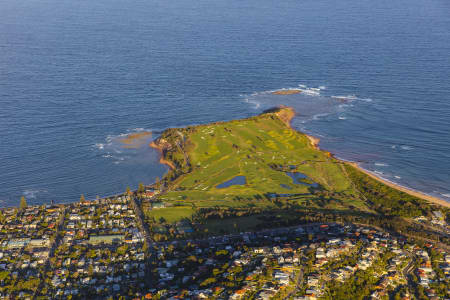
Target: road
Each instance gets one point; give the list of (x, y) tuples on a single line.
[(141, 224), (409, 268), (298, 284), (54, 244)]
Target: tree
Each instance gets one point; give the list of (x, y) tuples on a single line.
[(23, 203), (82, 199), (128, 191), (141, 188)]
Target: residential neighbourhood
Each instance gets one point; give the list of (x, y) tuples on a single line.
[(26, 239), (97, 249), (101, 251)]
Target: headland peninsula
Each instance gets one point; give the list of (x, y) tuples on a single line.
[(261, 165), (249, 209), (222, 148)]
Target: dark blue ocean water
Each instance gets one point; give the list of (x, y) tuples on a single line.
[(76, 75)]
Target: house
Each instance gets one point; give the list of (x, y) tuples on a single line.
[(106, 239), (39, 243), (18, 243), (157, 205)]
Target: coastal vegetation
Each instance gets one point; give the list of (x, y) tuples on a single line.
[(387, 200), (23, 203)]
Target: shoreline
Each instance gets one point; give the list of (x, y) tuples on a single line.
[(286, 117), (410, 191), (162, 160), (314, 141)]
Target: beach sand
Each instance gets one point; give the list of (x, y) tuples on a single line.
[(432, 199), (287, 117)]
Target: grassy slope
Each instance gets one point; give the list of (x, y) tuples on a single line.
[(221, 151)]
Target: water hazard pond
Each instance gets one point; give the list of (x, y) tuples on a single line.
[(238, 180), (300, 178)]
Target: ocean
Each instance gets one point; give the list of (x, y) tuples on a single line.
[(79, 76)]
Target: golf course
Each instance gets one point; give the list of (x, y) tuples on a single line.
[(261, 162)]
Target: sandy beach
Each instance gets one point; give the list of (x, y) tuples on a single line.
[(418, 194), (315, 143)]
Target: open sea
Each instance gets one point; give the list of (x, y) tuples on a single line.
[(79, 76)]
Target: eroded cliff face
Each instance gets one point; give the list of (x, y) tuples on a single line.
[(163, 147)]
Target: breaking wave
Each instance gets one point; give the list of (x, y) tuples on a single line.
[(407, 148), (311, 103), (32, 193), (351, 98), (122, 147)]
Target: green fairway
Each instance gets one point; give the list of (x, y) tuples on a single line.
[(262, 149), (171, 214), (243, 175)]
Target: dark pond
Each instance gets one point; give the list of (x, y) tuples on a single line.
[(298, 178), (238, 180), (285, 186)]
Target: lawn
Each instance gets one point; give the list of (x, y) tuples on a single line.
[(171, 214)]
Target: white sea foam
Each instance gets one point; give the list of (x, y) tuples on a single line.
[(311, 91), (318, 116), (351, 98), (345, 105), (110, 140), (381, 165), (404, 147), (378, 172), (139, 129), (31, 194), (322, 87), (342, 118), (255, 103), (398, 177), (348, 97)]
